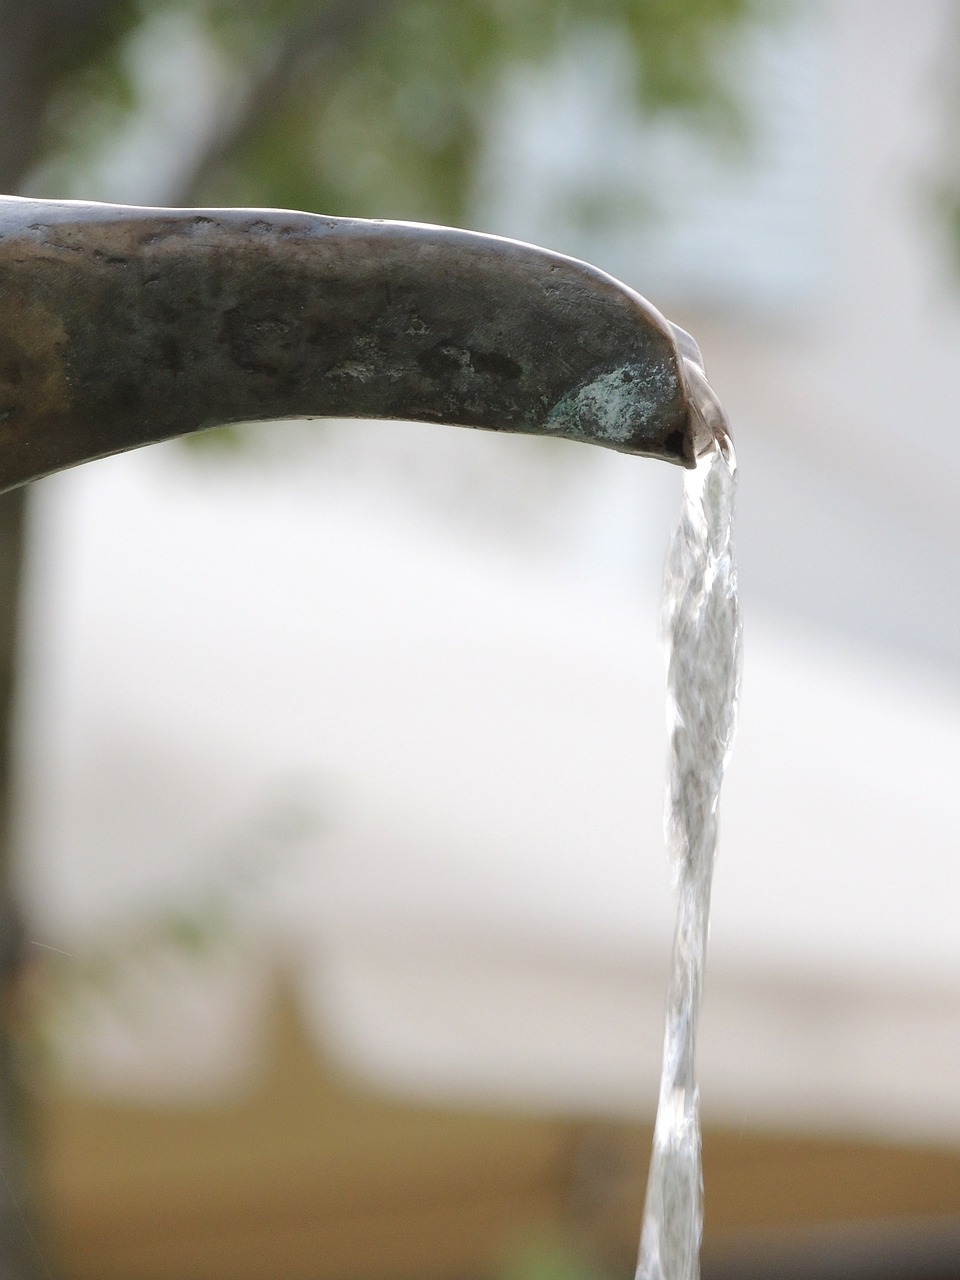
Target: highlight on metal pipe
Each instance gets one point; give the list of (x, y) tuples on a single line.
[(122, 326)]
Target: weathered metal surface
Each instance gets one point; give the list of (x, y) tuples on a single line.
[(124, 326)]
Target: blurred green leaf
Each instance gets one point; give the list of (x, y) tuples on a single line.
[(550, 1261), (380, 109)]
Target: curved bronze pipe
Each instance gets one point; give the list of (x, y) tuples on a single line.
[(122, 326)]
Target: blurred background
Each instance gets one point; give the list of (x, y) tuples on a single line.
[(332, 782)]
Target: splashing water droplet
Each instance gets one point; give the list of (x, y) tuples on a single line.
[(701, 620)]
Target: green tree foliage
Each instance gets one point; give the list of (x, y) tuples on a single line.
[(380, 107)]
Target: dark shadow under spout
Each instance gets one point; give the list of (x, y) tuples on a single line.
[(122, 326)]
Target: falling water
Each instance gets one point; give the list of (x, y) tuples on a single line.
[(702, 623)]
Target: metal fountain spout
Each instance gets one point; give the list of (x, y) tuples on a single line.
[(123, 326)]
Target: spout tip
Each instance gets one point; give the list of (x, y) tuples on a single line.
[(707, 427), (639, 408)]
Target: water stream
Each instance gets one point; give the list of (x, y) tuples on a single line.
[(701, 621)]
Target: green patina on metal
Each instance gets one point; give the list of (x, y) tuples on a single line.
[(605, 408)]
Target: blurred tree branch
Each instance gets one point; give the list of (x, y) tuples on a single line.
[(41, 43), (301, 50)]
